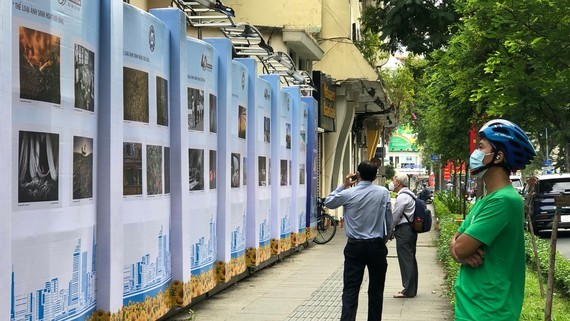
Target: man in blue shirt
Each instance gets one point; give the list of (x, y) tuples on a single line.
[(367, 218)]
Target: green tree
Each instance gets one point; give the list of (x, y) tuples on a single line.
[(419, 26)]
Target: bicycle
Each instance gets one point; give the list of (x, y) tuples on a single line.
[(326, 224)]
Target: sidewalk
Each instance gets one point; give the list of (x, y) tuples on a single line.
[(308, 285)]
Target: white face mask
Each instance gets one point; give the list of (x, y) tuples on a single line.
[(391, 186)]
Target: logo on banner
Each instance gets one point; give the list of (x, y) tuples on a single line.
[(151, 38), (266, 94), (204, 64), (288, 103), (75, 2), (242, 80)]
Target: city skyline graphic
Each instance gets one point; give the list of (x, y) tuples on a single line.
[(285, 226), (148, 277), (55, 302), (238, 237), (264, 232), (204, 251)]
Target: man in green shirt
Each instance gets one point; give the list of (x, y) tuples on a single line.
[(490, 242)]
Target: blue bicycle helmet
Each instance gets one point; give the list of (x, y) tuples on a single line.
[(516, 145)]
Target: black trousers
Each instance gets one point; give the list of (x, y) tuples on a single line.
[(357, 256), (406, 240)]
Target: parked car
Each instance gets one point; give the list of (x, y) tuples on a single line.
[(517, 183), (539, 200)]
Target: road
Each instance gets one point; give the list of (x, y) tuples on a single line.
[(563, 242)]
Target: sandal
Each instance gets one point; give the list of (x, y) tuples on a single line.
[(400, 295)]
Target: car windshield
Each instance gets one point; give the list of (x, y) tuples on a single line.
[(554, 185)]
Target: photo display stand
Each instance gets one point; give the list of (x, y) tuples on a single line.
[(258, 155), (232, 175), (279, 167), (181, 221), (50, 60), (146, 264), (6, 46), (201, 130), (312, 166), (298, 168)]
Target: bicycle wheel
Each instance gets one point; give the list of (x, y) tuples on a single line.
[(326, 229)]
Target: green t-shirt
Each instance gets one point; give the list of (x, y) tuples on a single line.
[(494, 290)]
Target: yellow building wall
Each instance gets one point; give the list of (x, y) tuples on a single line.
[(295, 14)]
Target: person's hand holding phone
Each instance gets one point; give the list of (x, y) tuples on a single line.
[(350, 179)]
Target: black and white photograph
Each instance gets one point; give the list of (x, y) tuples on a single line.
[(153, 169), (39, 55), (266, 129), (242, 121), (135, 95), (132, 169), (284, 167), (195, 109), (82, 167), (288, 136), (166, 170), (290, 172), (235, 170), (213, 114), (244, 171), (38, 165), (302, 173), (196, 169), (262, 170), (84, 83), (161, 101), (212, 172)]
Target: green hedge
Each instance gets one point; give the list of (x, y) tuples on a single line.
[(561, 267), (533, 307)]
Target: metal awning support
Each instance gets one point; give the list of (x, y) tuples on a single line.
[(246, 40), (206, 13)]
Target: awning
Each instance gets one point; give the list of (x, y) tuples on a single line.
[(343, 61)]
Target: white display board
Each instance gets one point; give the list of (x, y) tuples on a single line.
[(52, 84), (259, 153), (146, 161), (280, 166)]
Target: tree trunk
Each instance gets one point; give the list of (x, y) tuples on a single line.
[(567, 167)]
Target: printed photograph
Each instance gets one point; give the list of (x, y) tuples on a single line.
[(161, 101), (84, 82), (235, 168), (266, 129), (288, 136), (135, 95), (153, 169), (166, 170), (242, 121), (302, 173), (269, 171), (212, 172), (290, 172), (195, 109), (132, 169), (213, 114), (196, 169), (284, 166), (39, 66), (38, 165), (244, 171), (262, 169), (303, 140), (82, 167)]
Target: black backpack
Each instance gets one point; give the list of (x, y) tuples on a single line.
[(421, 221)]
